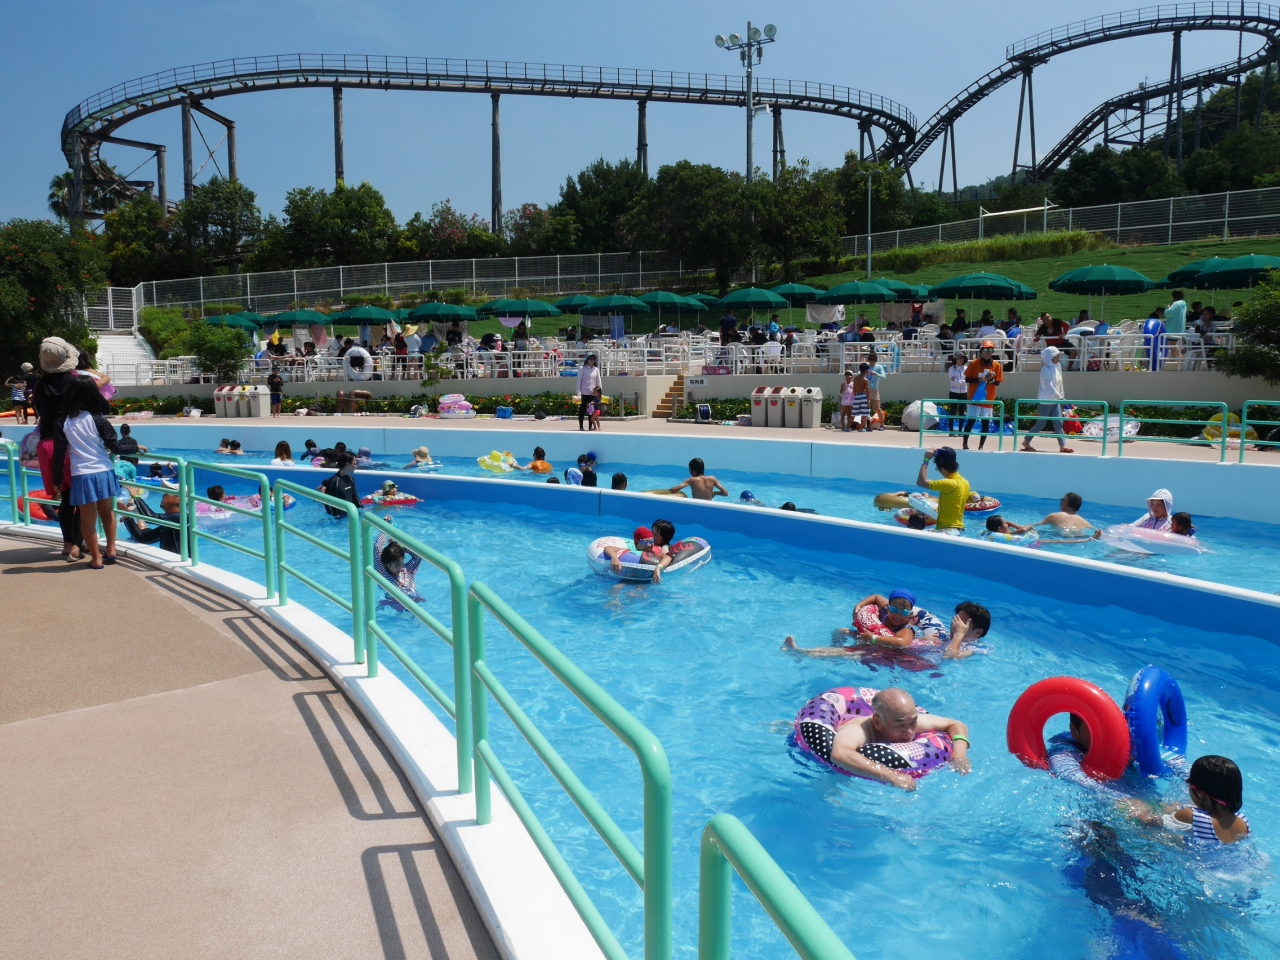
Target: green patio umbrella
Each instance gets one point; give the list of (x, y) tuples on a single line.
[(614, 306), (754, 298), (1235, 273), (857, 291), (365, 314), (299, 318), (441, 311), (903, 292), (797, 294), (668, 302), (982, 286), (241, 321), (573, 304), (521, 308), (1103, 280), (1185, 276)]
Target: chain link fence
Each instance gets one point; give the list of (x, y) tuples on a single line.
[(1235, 214)]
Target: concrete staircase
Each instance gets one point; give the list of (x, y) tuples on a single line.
[(122, 353), (666, 407)]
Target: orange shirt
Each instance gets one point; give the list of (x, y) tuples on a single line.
[(975, 369)]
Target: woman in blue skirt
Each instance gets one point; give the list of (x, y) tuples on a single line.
[(89, 439)]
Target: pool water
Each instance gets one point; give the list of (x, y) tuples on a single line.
[(1243, 553), (1005, 862)]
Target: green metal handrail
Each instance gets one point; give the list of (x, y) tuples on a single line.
[(456, 635), (652, 871), (728, 846), (354, 606), (268, 552), (1017, 415), (998, 416), (25, 474), (1124, 415), (181, 525), (1245, 422), (12, 466)]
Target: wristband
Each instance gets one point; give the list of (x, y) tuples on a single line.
[(965, 739)]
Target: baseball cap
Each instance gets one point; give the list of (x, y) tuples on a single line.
[(944, 455), (987, 345)]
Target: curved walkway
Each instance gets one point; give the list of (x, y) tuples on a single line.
[(180, 781)]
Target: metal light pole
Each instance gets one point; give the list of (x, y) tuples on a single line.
[(868, 223), (750, 52)]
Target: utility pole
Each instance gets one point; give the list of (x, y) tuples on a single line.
[(750, 52), (868, 223)]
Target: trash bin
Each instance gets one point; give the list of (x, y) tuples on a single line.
[(773, 398), (759, 407), (220, 395), (260, 401), (791, 407), (810, 408), (242, 396)]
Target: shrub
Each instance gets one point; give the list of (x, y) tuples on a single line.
[(159, 326), (1025, 246), (162, 405)]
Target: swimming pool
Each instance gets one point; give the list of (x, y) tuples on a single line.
[(965, 867), (1243, 552)]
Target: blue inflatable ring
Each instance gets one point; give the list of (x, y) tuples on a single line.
[(1153, 701)]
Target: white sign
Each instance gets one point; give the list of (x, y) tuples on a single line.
[(696, 382)]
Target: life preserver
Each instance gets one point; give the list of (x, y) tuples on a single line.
[(903, 516), (1108, 755), (891, 501), (867, 620), (497, 462), (686, 555), (819, 720), (923, 504), (1028, 539), (1213, 429), (1126, 536), (399, 500), (977, 503), (1157, 717), (252, 503), (38, 511)]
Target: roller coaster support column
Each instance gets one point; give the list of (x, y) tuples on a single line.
[(1027, 103), (496, 206), (75, 202), (188, 161), (642, 136), (159, 150), (230, 127), (1175, 98), (779, 147), (339, 167), (1266, 82)]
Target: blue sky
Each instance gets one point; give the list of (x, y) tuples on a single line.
[(418, 148)]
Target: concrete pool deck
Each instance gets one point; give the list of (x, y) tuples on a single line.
[(181, 780)]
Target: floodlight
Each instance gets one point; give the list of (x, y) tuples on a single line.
[(753, 33), (734, 39), (720, 40), (770, 30)]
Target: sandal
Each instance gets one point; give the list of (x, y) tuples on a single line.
[(108, 559), (97, 567), (1065, 450)]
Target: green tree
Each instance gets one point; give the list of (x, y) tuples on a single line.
[(801, 216), (217, 226), (705, 215), (138, 242), (890, 201), (49, 271), (96, 199), (218, 350), (448, 235), (600, 199), (1257, 350), (360, 227), (1103, 175), (1234, 162), (532, 231)]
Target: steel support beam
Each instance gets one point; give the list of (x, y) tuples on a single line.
[(642, 136), (1031, 125), (230, 126), (339, 165), (496, 205), (1177, 56), (1173, 79), (188, 161), (955, 181), (942, 167), (75, 202), (779, 146), (158, 149), (1017, 137), (1199, 107), (1266, 82)]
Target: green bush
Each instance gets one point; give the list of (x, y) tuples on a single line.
[(159, 326), (216, 310), (732, 409), (167, 406), (368, 300), (1025, 246)]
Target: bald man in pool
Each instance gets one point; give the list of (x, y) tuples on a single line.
[(895, 719)]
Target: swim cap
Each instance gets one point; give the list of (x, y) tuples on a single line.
[(643, 536), (364, 452), (746, 495), (906, 595), (591, 456)]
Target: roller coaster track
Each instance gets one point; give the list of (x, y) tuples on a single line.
[(101, 115), (1136, 99), (1259, 19)]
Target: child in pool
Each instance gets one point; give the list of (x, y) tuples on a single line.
[(539, 462), (1180, 523), (998, 524), (642, 538), (1214, 818)]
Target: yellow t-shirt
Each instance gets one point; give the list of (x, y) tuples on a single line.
[(952, 493)]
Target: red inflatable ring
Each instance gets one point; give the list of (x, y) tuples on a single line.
[(1108, 756)]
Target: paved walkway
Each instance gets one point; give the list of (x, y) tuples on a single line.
[(180, 781)]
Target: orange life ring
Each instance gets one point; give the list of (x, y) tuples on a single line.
[(903, 515), (38, 511), (981, 505), (1108, 755)]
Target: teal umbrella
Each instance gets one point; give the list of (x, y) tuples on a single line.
[(486, 310), (1235, 273), (1103, 280), (858, 291), (614, 306), (365, 314), (442, 311), (754, 298), (1185, 276), (298, 318), (521, 308), (241, 321), (664, 300), (982, 286), (903, 292), (706, 298), (797, 293), (573, 304)]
